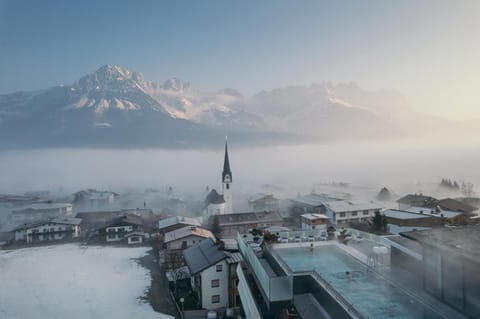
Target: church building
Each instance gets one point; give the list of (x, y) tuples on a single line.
[(217, 204)]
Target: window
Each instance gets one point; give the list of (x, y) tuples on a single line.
[(110, 230), (365, 212), (342, 215), (219, 268), (216, 299), (228, 186), (111, 236), (354, 213), (215, 283)]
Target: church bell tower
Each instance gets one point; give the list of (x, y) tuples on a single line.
[(227, 183)]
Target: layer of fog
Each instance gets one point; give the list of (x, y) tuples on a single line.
[(403, 166)]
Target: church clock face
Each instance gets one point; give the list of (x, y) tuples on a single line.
[(227, 179)]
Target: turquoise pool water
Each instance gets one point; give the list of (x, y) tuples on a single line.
[(369, 293)]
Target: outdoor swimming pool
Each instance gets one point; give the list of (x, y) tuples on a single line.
[(369, 293)]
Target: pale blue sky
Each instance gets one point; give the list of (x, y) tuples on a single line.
[(429, 50)]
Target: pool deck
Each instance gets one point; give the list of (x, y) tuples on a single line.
[(399, 278)]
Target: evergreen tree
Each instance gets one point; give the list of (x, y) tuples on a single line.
[(378, 223), (215, 227)]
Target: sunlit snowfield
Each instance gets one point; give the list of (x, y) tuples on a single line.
[(68, 281), (387, 163)]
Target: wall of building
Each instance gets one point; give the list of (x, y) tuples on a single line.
[(214, 209), (117, 233), (315, 224), (406, 262), (306, 284), (452, 279), (185, 242), (249, 304), (231, 231), (51, 231), (228, 195), (415, 222), (355, 216), (135, 239), (208, 275)]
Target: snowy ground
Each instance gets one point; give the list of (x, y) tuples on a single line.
[(67, 281)]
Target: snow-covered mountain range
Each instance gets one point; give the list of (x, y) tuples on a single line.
[(117, 107)]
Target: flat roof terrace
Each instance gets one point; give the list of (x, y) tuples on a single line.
[(370, 293)]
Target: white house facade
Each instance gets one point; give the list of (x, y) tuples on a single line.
[(208, 267), (214, 286), (341, 212), (53, 229)]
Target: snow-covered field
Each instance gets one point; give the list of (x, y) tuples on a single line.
[(67, 281)]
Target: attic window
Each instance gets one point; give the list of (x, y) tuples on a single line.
[(219, 268)]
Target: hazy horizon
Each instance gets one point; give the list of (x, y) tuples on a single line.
[(401, 166)]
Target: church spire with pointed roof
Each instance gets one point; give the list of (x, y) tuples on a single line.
[(227, 183), (226, 165)]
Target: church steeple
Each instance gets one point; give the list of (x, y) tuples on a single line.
[(227, 183), (227, 173)]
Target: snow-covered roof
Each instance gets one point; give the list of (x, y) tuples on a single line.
[(45, 206), (433, 212), (314, 216), (233, 258), (61, 221), (351, 206), (67, 221), (187, 231), (167, 222), (402, 214), (314, 199)]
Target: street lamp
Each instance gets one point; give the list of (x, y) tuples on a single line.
[(182, 300)]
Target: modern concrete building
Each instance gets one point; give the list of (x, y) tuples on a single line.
[(451, 266)]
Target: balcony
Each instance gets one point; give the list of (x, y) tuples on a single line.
[(248, 302), (274, 287)]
